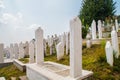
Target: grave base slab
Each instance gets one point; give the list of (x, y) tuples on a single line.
[(53, 71)]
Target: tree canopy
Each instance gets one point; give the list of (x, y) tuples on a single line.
[(97, 10)]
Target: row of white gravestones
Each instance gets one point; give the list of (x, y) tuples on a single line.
[(16, 51), (114, 49), (75, 47), (50, 43), (1, 53), (93, 26), (60, 48)]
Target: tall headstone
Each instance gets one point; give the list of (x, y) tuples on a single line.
[(50, 43), (109, 53), (93, 25), (31, 52), (60, 49), (44, 43), (16, 51), (26, 48), (115, 44), (116, 25), (100, 29), (21, 50), (75, 48), (1, 53), (64, 39), (39, 46), (7, 52), (11, 51), (67, 43)]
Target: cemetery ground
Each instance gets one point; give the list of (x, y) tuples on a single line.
[(94, 59)]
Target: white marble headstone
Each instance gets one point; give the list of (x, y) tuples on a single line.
[(109, 53), (100, 29), (115, 44), (31, 52), (75, 48), (21, 50), (93, 25), (67, 43), (60, 48), (1, 53), (11, 51), (39, 46), (16, 51), (116, 25)]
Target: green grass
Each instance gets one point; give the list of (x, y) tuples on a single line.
[(10, 71), (94, 59), (24, 60)]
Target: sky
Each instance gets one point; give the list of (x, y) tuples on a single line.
[(20, 18)]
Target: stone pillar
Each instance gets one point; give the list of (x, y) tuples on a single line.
[(67, 42), (60, 49), (93, 25), (100, 29), (31, 52), (115, 44), (50, 42), (11, 51), (44, 43), (16, 51), (21, 50), (26, 48), (64, 39), (39, 46), (1, 53), (116, 25), (75, 48), (109, 53)]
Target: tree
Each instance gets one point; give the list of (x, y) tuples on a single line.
[(97, 10)]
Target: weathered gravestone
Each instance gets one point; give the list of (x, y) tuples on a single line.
[(115, 45), (109, 53), (1, 53), (39, 46)]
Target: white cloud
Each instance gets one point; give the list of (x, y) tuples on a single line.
[(14, 21), (34, 26), (2, 4)]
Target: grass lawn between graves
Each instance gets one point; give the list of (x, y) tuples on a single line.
[(11, 71), (94, 59)]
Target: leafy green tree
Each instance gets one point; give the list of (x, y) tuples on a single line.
[(97, 10)]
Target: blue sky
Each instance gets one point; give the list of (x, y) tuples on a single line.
[(19, 18)]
